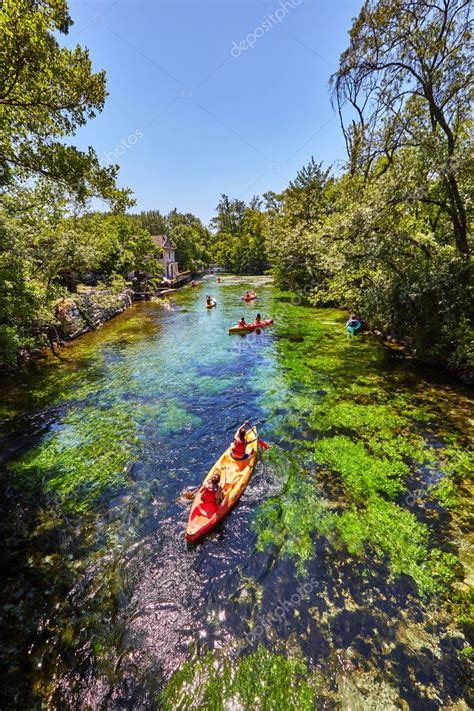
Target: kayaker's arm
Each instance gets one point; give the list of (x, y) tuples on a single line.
[(236, 436)]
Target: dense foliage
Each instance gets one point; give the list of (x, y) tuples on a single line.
[(43, 256), (389, 237), (46, 93), (46, 242), (238, 239)]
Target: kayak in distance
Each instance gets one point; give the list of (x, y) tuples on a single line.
[(232, 476), (353, 325), (249, 327), (249, 296)]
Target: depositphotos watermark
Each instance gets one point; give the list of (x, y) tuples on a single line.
[(121, 148), (268, 22)]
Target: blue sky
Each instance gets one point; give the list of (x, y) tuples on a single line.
[(210, 97)]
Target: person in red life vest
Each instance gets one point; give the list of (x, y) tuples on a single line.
[(240, 443), (212, 491), (242, 323), (258, 320)]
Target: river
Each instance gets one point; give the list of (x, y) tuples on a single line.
[(340, 581)]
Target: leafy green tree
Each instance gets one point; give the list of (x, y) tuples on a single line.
[(44, 252), (46, 93), (230, 216), (190, 243), (304, 196), (151, 220), (292, 218), (407, 76), (238, 241)]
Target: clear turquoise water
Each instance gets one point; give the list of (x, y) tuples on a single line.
[(104, 604)]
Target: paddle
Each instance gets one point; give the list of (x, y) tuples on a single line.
[(261, 443)]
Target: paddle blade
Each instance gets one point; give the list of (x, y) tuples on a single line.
[(263, 444)]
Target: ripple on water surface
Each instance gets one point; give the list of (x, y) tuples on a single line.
[(327, 586)]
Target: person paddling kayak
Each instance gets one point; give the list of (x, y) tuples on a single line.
[(258, 320), (242, 323), (353, 324), (212, 491), (240, 443)]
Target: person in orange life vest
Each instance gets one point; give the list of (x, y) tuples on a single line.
[(212, 491), (258, 319), (242, 323), (240, 443)]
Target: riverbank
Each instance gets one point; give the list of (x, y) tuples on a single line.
[(88, 309), (464, 374), (77, 314)]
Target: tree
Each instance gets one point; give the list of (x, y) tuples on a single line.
[(151, 220), (230, 216), (46, 93), (44, 253), (238, 242), (303, 197), (407, 76)]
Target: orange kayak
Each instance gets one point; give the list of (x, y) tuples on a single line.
[(235, 475), (249, 327), (250, 297)]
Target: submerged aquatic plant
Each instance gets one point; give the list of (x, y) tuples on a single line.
[(80, 459), (262, 680), (366, 437)]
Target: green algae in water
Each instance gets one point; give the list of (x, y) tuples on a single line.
[(375, 446), (396, 534), (166, 416), (78, 461), (262, 680), (287, 522), (363, 475)]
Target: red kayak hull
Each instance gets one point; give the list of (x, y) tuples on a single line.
[(251, 327)]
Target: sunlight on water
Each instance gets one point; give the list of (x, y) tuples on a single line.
[(337, 582)]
